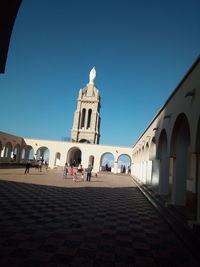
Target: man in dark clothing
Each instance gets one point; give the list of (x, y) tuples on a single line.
[(89, 173), (27, 167)]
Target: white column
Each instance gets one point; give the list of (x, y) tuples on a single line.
[(149, 172), (144, 172), (51, 159), (115, 166), (2, 152), (155, 172)]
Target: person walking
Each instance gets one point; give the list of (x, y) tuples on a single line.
[(82, 176), (89, 173), (27, 166), (40, 165), (65, 170), (71, 170), (46, 165), (80, 168)]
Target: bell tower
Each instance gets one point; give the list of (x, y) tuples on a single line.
[(86, 127)]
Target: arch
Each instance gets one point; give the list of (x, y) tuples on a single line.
[(57, 159), (23, 153), (91, 160), (16, 153), (124, 163), (163, 163), (42, 153), (46, 155), (107, 162), (84, 141), (83, 118), (74, 156), (8, 150), (179, 150), (89, 118), (31, 154)]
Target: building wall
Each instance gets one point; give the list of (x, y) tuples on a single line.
[(166, 156), (63, 148)]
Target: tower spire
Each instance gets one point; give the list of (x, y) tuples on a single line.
[(86, 127)]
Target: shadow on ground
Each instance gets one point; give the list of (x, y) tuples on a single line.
[(88, 226)]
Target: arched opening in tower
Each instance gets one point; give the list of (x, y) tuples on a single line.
[(84, 141), (89, 118), (74, 156), (83, 118)]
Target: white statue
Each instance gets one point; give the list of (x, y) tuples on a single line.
[(92, 75)]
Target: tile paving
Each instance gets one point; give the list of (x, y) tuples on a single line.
[(46, 220)]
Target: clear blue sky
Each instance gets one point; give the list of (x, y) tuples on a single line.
[(141, 51)]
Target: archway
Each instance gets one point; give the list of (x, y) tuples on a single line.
[(83, 118), (179, 150), (89, 118), (16, 153), (164, 164), (57, 159), (8, 151), (74, 156), (27, 153), (31, 154), (43, 154), (107, 162), (84, 141), (23, 154), (124, 164)]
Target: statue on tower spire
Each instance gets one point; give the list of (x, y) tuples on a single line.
[(92, 75)]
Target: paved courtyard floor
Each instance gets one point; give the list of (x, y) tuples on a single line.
[(46, 220)]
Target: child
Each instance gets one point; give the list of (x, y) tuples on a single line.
[(71, 170), (75, 177), (82, 176), (65, 170)]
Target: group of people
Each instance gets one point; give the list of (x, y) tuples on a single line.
[(85, 174), (39, 165)]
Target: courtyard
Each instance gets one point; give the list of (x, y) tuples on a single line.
[(50, 221)]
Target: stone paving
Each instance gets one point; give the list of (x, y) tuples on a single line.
[(46, 220)]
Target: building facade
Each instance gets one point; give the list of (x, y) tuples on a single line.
[(167, 155), (17, 150)]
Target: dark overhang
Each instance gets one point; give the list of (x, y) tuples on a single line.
[(8, 13)]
